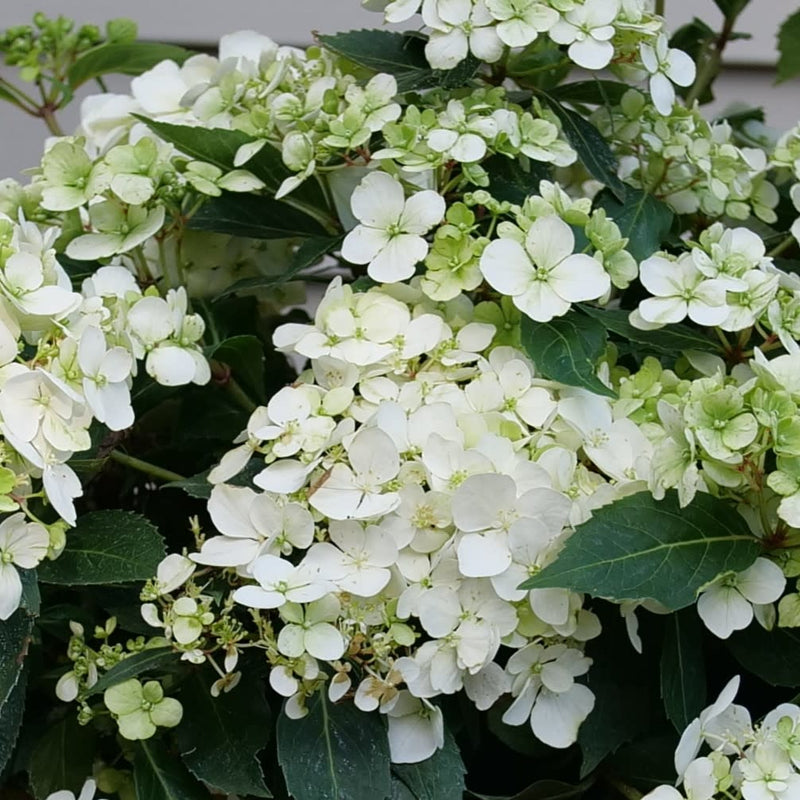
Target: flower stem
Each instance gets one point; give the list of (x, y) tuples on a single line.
[(781, 247), (710, 61), (144, 466), (628, 792)]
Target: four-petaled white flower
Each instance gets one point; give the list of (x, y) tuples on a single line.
[(666, 66), (543, 276), (587, 29), (390, 236)]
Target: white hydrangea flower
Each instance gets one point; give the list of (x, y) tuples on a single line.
[(416, 729), (727, 605), (460, 27), (22, 544), (281, 582), (544, 276), (86, 793), (667, 66), (587, 29), (546, 694), (390, 236), (309, 629), (679, 289), (521, 21)]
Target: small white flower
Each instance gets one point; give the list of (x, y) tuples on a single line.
[(281, 582), (727, 605), (521, 21), (544, 277), (458, 28), (105, 374), (666, 66), (390, 236), (416, 729), (587, 29)]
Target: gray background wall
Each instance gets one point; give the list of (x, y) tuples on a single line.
[(748, 77)]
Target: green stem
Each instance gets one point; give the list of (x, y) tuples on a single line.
[(781, 247), (710, 61), (629, 792), (239, 396), (660, 7), (144, 466), (49, 117), (18, 98)]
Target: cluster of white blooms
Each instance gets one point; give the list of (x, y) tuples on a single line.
[(597, 33), (68, 358), (754, 761), (692, 164), (724, 280), (420, 471)]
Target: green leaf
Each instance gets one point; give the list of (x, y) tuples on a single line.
[(310, 252), (254, 217), (644, 220), (541, 65), (106, 547), (158, 775), (220, 737), (593, 93), (196, 486), (591, 147), (62, 758), (123, 58), (15, 638), (772, 655), (731, 8), (543, 790), (399, 54), (789, 48), (11, 712), (154, 658), (245, 357), (621, 681), (440, 777), (566, 349), (683, 669), (336, 752), (509, 181), (666, 341), (639, 547)]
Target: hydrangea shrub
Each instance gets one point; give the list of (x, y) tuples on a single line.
[(410, 417)]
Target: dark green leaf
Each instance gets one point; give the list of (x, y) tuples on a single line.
[(566, 349), (683, 668), (399, 54), (649, 761), (667, 341), (11, 712), (541, 65), (155, 658), (731, 8), (509, 181), (245, 357), (644, 220), (621, 680), (220, 737), (62, 758), (441, 777), (400, 791), (123, 58), (158, 775), (254, 217), (15, 637), (639, 547), (336, 752), (196, 486), (789, 48), (107, 547), (310, 252), (591, 147), (772, 655), (696, 39), (593, 93)]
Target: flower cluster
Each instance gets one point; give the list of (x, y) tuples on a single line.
[(68, 358), (694, 165), (754, 761)]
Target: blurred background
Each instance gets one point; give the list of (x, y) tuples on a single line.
[(748, 77)]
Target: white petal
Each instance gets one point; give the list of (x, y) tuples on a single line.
[(323, 641), (378, 200), (579, 277), (507, 267), (398, 258), (422, 211), (555, 718), (362, 244), (481, 555), (724, 610), (10, 590), (763, 582)]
